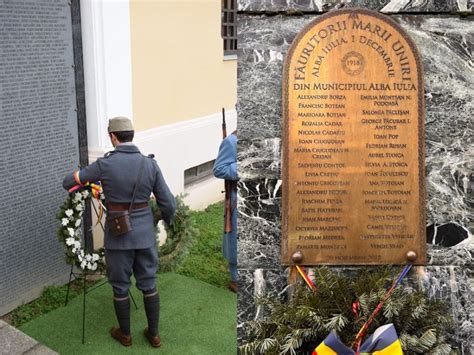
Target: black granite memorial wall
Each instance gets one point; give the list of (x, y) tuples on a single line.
[(41, 93), (444, 33)]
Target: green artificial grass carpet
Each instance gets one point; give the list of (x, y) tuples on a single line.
[(195, 318)]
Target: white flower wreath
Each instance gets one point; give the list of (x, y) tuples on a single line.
[(71, 230)]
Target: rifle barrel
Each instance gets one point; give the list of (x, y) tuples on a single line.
[(224, 126)]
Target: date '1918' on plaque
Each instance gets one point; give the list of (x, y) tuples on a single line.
[(353, 159)]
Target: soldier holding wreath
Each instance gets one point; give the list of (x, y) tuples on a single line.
[(128, 178)]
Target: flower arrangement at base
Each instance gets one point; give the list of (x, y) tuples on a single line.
[(179, 235), (341, 304), (71, 230)]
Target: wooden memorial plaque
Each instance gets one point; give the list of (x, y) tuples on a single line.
[(353, 159)]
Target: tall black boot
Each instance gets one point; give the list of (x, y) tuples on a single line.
[(151, 300)]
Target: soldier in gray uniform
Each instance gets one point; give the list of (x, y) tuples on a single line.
[(135, 250)]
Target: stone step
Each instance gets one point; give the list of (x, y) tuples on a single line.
[(15, 342)]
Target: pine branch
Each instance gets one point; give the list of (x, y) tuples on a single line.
[(300, 323)]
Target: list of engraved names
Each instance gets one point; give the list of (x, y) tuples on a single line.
[(353, 149), (39, 135)]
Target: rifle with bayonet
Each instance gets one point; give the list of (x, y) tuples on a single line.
[(228, 185)]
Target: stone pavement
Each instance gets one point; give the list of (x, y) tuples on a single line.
[(13, 342)]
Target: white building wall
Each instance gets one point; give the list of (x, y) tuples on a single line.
[(107, 67), (108, 90), (180, 146)]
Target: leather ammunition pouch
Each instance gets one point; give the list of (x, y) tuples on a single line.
[(119, 222)]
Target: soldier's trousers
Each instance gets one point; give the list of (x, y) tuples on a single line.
[(121, 263)]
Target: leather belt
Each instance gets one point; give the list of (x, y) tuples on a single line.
[(125, 206)]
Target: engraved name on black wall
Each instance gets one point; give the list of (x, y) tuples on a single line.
[(38, 122)]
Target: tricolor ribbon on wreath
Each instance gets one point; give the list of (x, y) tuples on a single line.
[(94, 189), (384, 341)]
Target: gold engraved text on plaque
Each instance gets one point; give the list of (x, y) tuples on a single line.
[(353, 158)]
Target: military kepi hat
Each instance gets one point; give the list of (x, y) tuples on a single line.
[(120, 124)]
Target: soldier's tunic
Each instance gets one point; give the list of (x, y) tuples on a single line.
[(225, 167), (136, 250)]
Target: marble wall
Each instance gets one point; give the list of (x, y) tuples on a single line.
[(444, 34)]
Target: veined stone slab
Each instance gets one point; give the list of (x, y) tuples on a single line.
[(387, 6)]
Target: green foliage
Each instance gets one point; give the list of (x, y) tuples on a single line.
[(204, 260), (51, 298), (201, 259), (179, 235), (298, 325), (194, 244)]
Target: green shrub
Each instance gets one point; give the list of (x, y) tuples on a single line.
[(51, 298), (179, 235), (302, 322)]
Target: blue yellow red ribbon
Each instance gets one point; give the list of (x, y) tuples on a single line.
[(384, 341), (332, 345), (306, 278), (94, 190), (387, 295), (76, 177), (355, 308)]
